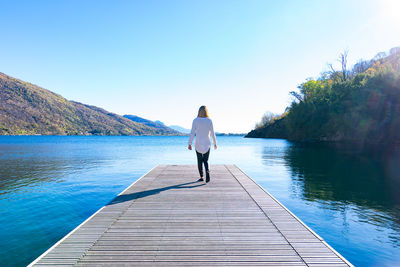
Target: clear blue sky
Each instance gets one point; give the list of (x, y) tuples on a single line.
[(163, 59)]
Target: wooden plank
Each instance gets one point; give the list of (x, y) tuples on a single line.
[(168, 218)]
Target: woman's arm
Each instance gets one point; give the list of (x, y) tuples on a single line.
[(192, 133), (213, 136)]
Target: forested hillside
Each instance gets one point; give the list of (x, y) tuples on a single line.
[(28, 109), (357, 105)]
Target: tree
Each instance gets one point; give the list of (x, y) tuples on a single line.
[(297, 96), (343, 62), (379, 56), (266, 119), (395, 50), (335, 75)]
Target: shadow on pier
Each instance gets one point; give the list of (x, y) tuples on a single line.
[(141, 194)]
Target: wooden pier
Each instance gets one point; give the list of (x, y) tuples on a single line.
[(167, 218)]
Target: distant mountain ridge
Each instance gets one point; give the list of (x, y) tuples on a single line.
[(158, 123), (179, 129), (27, 109), (155, 124)]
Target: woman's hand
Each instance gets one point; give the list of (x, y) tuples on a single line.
[(215, 146), (190, 147)]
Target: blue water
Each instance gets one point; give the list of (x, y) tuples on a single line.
[(50, 184)]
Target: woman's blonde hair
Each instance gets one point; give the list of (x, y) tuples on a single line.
[(203, 112)]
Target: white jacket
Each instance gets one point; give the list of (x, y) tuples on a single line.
[(202, 128)]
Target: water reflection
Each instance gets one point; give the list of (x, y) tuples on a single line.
[(22, 170), (341, 176), (42, 194)]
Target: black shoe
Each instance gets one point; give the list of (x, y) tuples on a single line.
[(207, 177), (200, 180)]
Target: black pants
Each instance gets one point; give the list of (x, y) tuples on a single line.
[(202, 159)]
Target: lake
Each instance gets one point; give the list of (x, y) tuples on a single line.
[(348, 195)]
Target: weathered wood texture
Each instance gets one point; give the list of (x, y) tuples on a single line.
[(168, 218)]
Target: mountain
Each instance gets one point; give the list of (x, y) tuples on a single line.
[(27, 109), (179, 129), (155, 124), (158, 123), (361, 105)]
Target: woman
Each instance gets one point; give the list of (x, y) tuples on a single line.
[(202, 127)]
